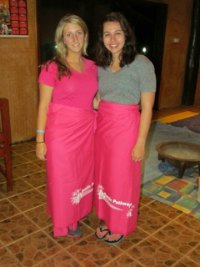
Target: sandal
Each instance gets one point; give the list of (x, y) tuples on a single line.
[(75, 233), (104, 232), (115, 241)]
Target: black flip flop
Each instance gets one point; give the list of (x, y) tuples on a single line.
[(116, 241), (106, 230)]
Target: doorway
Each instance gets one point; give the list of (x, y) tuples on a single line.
[(147, 18)]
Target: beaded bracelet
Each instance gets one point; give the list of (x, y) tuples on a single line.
[(39, 131)]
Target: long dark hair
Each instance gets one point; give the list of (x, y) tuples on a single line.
[(103, 57)]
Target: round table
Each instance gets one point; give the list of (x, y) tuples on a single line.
[(180, 154)]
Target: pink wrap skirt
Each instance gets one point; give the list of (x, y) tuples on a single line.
[(117, 176), (69, 137)]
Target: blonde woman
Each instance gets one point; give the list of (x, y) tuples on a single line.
[(65, 127)]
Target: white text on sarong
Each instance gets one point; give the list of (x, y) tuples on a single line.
[(78, 194), (113, 203)]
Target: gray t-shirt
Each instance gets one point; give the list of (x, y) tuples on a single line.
[(126, 85)]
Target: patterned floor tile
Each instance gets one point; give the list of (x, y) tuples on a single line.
[(30, 155), (133, 239), (36, 179), (42, 190), (67, 241), (18, 159), (164, 209), (2, 178), (62, 259), (195, 255), (152, 252), (25, 169), (151, 221), (186, 262), (7, 210), (34, 248), (190, 222), (145, 199), (91, 252), (3, 190), (41, 164), (92, 220), (23, 147), (7, 259), (163, 237), (39, 216), (123, 261), (178, 237), (28, 200), (14, 228), (19, 186)]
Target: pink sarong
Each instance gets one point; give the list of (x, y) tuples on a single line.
[(70, 165), (117, 177)]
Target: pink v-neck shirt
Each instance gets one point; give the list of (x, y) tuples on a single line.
[(78, 90)]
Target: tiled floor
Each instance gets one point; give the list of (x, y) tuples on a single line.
[(165, 236)]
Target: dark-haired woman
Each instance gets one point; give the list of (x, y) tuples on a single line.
[(65, 133), (126, 80)]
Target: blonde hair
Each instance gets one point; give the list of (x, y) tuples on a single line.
[(61, 49)]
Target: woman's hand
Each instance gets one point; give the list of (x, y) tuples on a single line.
[(96, 101), (41, 151), (138, 152), (147, 100)]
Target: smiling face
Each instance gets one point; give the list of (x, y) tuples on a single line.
[(113, 37), (74, 38)]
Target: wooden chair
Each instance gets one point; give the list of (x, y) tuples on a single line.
[(5, 141)]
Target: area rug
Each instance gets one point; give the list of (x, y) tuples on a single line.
[(161, 132), (159, 179), (192, 123), (182, 194)]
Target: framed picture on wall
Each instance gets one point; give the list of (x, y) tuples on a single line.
[(13, 18)]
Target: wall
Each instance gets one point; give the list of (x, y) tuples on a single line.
[(18, 68), (18, 76), (197, 95), (174, 58)]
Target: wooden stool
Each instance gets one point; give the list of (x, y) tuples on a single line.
[(5, 141), (198, 192), (180, 154)]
